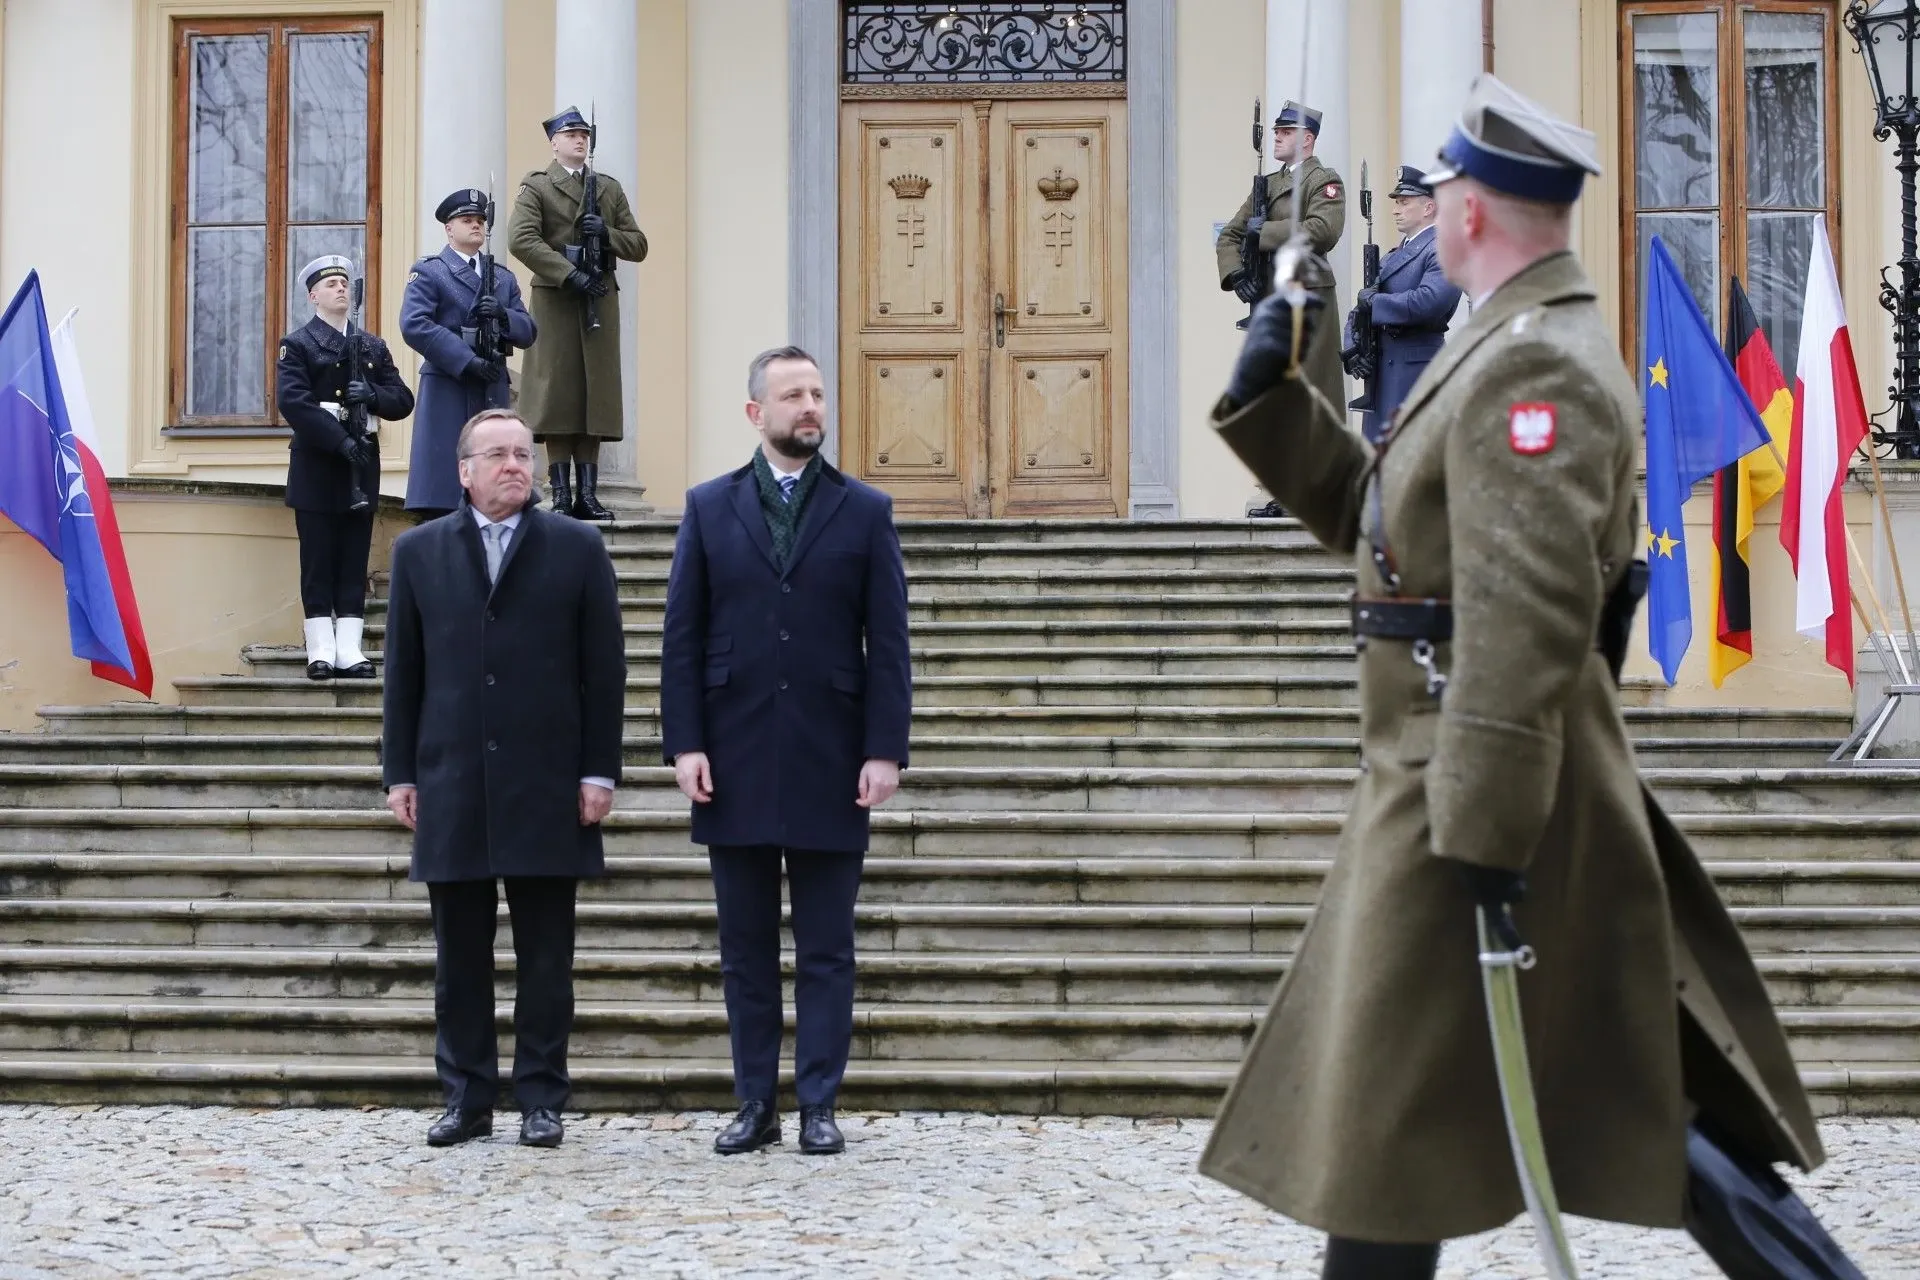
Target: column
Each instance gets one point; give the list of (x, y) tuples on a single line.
[(596, 61), (1325, 85), (463, 109), (1440, 54)]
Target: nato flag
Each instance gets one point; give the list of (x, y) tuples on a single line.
[(1699, 419)]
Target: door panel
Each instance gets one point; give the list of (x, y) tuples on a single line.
[(983, 342)]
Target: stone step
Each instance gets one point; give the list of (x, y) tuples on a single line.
[(1155, 928), (1012, 979), (926, 880), (933, 691), (1279, 557), (1016, 534), (946, 789), (611, 1084), (1215, 1036), (1128, 751), (1073, 584), (370, 829), (1239, 662), (1069, 633), (1245, 723)]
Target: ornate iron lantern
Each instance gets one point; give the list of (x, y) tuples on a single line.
[(1887, 33)]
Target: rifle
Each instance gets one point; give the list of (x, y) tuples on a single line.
[(1362, 359), (488, 339), (356, 419), (590, 254), (1255, 265)]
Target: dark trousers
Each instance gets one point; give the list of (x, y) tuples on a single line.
[(823, 888), (333, 561), (466, 1051), (1363, 1260)]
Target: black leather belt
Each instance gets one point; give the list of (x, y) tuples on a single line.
[(1403, 619)]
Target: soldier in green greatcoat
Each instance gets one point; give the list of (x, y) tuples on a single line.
[(1492, 533), (1323, 217), (570, 380)]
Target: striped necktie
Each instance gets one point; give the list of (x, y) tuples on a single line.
[(786, 486)]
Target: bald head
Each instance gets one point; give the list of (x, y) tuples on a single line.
[(1486, 237)]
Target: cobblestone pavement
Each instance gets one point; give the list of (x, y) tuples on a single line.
[(167, 1191)]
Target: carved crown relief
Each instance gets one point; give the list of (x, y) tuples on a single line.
[(910, 186), (1059, 187)]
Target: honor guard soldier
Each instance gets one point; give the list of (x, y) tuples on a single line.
[(464, 333), (570, 382), (1411, 306), (1494, 534), (333, 468), (1323, 217)]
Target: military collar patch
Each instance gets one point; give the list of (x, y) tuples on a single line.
[(1530, 428)]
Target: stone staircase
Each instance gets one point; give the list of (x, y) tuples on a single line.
[(1133, 747)]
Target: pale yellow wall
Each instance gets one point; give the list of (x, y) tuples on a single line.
[(212, 573), (1220, 64), (737, 219), (529, 85), (63, 209), (663, 428)]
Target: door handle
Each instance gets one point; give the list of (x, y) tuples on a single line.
[(999, 320)]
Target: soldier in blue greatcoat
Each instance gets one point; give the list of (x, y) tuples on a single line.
[(1412, 304), (440, 317)]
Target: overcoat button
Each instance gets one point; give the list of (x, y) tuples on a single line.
[(786, 588), (492, 745), (489, 678), (783, 635), (783, 684)]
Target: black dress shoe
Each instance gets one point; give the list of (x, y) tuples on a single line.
[(819, 1135), (362, 670), (458, 1125), (541, 1128), (757, 1126), (319, 671)]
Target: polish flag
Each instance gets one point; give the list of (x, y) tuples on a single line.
[(1829, 422)]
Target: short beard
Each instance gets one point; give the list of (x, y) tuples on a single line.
[(790, 446)]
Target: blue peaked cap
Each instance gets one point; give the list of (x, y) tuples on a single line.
[(568, 119)]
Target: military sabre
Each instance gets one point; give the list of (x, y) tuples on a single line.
[(1502, 955)]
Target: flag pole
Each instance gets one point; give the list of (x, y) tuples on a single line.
[(1893, 548), (1866, 575)]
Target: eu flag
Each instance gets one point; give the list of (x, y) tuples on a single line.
[(1699, 419)]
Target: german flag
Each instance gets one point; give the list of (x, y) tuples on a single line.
[(1743, 488)]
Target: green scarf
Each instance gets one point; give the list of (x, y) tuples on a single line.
[(783, 517)]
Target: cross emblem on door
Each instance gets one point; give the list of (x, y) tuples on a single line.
[(1057, 233), (913, 227)]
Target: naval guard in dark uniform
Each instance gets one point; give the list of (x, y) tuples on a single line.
[(333, 470), (1410, 305), (447, 317)]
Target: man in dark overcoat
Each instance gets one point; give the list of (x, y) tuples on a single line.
[(570, 382), (506, 675), (1411, 305), (441, 317), (330, 468), (785, 697)]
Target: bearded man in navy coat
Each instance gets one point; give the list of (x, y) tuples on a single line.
[(440, 315), (785, 697), (1412, 304)]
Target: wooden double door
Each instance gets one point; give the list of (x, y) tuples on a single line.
[(983, 268)]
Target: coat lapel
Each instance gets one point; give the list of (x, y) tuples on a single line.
[(530, 529), (463, 275), (829, 491), (467, 534), (746, 505), (571, 190)]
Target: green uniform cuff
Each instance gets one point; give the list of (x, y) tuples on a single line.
[(1490, 790)]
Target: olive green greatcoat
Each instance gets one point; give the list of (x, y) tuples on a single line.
[(1323, 217), (570, 378), (1367, 1105)]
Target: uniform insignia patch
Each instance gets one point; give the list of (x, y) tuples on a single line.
[(283, 351), (1333, 191), (412, 276), (1530, 428)]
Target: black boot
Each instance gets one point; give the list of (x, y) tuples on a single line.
[(562, 492), (587, 505), (1363, 1260), (1749, 1221)]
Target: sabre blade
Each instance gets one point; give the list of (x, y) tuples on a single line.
[(1501, 982)]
